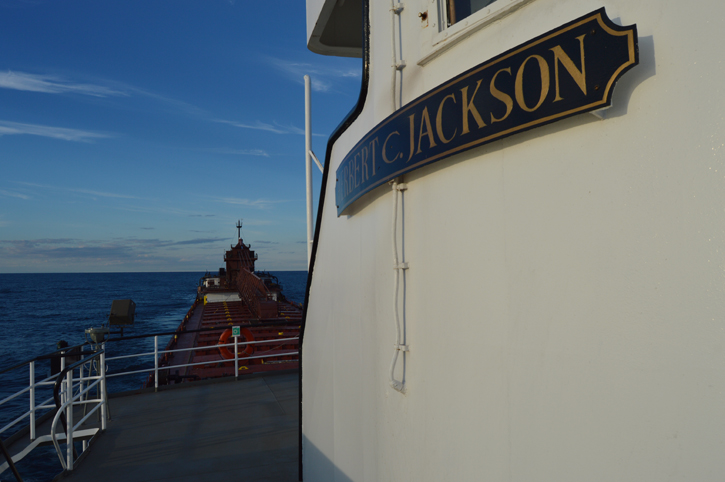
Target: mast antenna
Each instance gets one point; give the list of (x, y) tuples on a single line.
[(239, 228)]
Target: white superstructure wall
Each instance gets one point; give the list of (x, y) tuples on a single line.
[(565, 298)]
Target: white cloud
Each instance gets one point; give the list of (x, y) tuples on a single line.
[(78, 190), (258, 125), (101, 193), (174, 104), (53, 85), (257, 203), (13, 194), (322, 78), (263, 126), (240, 152), (17, 128), (296, 130)]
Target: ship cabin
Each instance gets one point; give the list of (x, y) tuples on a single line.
[(239, 257)]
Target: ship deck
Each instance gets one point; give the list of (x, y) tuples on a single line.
[(275, 340), (206, 431)]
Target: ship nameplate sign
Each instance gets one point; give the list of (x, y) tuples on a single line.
[(567, 71)]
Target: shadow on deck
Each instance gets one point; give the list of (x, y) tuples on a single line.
[(243, 430)]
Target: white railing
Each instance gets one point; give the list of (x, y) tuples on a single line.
[(85, 384), (157, 353), (74, 389), (33, 407), (68, 392)]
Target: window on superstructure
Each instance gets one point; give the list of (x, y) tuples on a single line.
[(457, 10)]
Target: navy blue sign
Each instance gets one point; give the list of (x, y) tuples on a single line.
[(567, 71)]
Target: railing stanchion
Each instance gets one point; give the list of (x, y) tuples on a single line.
[(236, 357), (32, 400), (156, 363), (62, 367), (81, 380), (104, 393), (69, 420)]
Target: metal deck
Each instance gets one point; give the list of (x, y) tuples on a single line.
[(268, 352), (225, 430)]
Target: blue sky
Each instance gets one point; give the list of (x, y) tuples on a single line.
[(133, 134)]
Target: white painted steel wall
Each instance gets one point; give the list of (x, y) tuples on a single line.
[(566, 290)]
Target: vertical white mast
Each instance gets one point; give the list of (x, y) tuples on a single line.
[(308, 168)]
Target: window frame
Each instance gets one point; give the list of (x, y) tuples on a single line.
[(436, 37)]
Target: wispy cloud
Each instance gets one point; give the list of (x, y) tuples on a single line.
[(296, 130), (257, 203), (17, 128), (51, 84), (240, 152), (56, 84), (64, 249), (88, 192), (199, 241), (13, 194), (105, 251), (258, 125), (263, 126), (101, 193), (322, 78), (173, 104)]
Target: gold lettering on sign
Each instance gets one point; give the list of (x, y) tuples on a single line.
[(425, 122), (439, 120), (372, 149), (505, 98), (469, 107), (351, 179), (544, 69), (356, 169), (411, 118), (579, 76), (385, 149), (344, 181), (364, 155)]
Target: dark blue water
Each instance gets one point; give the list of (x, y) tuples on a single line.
[(38, 310)]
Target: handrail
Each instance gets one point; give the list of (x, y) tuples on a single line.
[(63, 412), (63, 352), (33, 406), (60, 353), (264, 324), (61, 377), (296, 352), (68, 465), (195, 348)]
